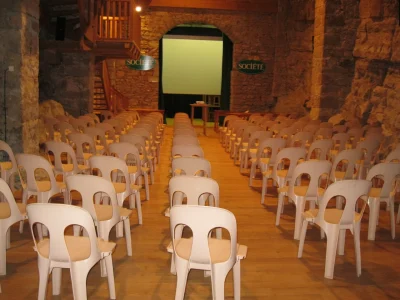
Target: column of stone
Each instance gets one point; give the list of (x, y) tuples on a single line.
[(20, 49), (335, 31)]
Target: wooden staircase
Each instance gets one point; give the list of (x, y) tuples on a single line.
[(99, 95), (106, 97)]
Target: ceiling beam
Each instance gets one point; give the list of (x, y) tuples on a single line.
[(264, 6)]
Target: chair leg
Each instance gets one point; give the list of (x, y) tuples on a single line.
[(392, 218), (398, 216), (181, 279), (127, 227), (3, 241), (298, 218), (302, 238), (264, 188), (146, 186), (139, 208), (78, 279), (339, 202), (373, 218), (56, 281), (357, 249), (110, 276), (218, 281), (236, 280), (341, 242), (43, 265), (279, 209), (331, 247)]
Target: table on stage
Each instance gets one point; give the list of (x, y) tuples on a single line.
[(204, 114)]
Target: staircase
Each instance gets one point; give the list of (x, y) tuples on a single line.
[(99, 95)]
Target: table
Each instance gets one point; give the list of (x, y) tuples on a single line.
[(204, 114), (219, 113)]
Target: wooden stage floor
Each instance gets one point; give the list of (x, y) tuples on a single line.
[(271, 270)]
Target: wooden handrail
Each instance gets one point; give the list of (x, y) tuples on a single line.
[(114, 98)]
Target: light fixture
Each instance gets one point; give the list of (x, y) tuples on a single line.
[(138, 8)]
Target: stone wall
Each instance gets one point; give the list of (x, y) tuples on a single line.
[(293, 55), (375, 90), (19, 47), (67, 78), (253, 36), (333, 62)]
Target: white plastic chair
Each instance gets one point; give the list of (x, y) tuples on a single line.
[(66, 168), (335, 222), (388, 172), (202, 252), (84, 146), (187, 151), (249, 150), (279, 173), (10, 213), (60, 251), (299, 194), (8, 168), (93, 189), (369, 149), (185, 140), (130, 154), (319, 149), (107, 165), (195, 166)]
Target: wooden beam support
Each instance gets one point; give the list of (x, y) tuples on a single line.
[(263, 6)]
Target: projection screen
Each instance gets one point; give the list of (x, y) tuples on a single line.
[(192, 65)]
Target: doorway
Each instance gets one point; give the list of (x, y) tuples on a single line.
[(205, 74)]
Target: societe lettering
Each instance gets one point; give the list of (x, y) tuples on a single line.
[(251, 66)]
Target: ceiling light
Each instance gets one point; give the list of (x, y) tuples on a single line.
[(138, 8)]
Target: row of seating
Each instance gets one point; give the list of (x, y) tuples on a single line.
[(205, 249), (102, 198), (307, 158)]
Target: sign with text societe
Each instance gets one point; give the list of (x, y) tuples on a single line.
[(251, 66), (144, 63)]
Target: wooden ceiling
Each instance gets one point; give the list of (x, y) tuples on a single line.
[(265, 6)]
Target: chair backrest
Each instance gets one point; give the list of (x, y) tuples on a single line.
[(195, 166), (340, 140), (300, 139), (57, 217), (273, 145), (310, 127), (185, 131), (258, 136), (293, 155), (7, 149), (285, 133), (187, 151), (326, 125), (65, 128), (315, 169), (355, 135), (140, 131), (117, 124), (9, 212), (90, 187), (339, 128), (201, 220), (79, 124), (194, 187), (393, 156), (320, 149), (108, 129), (248, 131), (81, 140), (58, 148), (390, 172), (88, 120), (185, 140), (369, 148), (349, 157), (30, 163), (98, 134), (126, 151), (351, 190), (107, 114), (228, 119), (323, 133)]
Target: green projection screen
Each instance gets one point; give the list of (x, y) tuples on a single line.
[(192, 66)]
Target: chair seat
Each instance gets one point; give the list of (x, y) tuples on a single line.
[(219, 249), (44, 186), (332, 215), (120, 187), (5, 211), (132, 169), (78, 247), (300, 191), (264, 160), (70, 167), (279, 173), (86, 155), (6, 165), (104, 212)]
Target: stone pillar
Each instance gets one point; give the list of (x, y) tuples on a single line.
[(19, 48), (335, 33)]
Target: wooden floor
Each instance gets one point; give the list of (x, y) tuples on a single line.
[(271, 270)]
